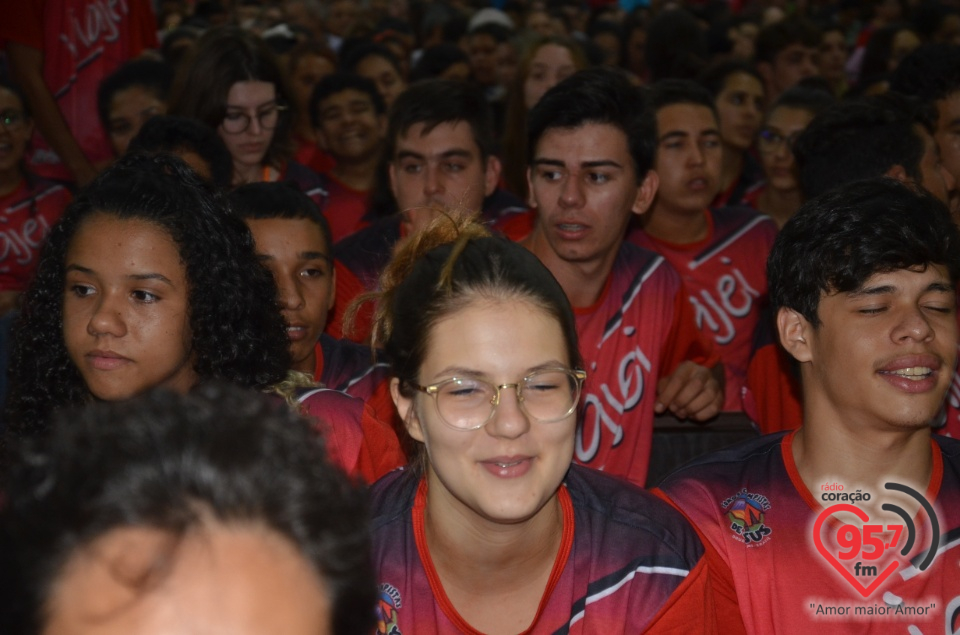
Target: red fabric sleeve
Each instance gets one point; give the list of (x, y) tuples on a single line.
[(23, 23), (723, 616), (690, 609), (772, 396), (380, 452), (685, 341), (349, 287)]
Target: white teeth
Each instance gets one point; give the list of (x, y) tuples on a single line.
[(914, 373), (294, 328), (506, 465)]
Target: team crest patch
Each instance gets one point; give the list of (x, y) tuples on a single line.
[(388, 602), (746, 513)]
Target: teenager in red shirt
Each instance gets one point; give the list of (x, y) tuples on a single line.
[(863, 283), (589, 175), (720, 254)]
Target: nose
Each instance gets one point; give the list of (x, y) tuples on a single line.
[(432, 181), (948, 180), (571, 194), (913, 326), (783, 150), (696, 156), (290, 295), (509, 420), (255, 128), (107, 318)]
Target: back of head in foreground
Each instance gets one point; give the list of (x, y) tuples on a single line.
[(235, 327), (838, 240), (185, 468)]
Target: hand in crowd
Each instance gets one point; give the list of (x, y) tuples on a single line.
[(692, 391)]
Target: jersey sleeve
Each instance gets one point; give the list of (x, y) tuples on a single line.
[(684, 340), (724, 612), (348, 288), (771, 395), (380, 451)]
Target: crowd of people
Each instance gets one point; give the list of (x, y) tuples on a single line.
[(327, 318)]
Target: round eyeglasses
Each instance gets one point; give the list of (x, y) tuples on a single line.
[(235, 122), (771, 140), (546, 395)]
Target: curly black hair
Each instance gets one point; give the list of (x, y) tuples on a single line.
[(238, 330)]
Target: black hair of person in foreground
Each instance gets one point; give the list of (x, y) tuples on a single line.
[(133, 516)]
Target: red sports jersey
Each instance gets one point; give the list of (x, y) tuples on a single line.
[(726, 275), (358, 260), (26, 216), (345, 209), (349, 367), (949, 423), (355, 439), (82, 42), (627, 564), (758, 518), (772, 396), (312, 156), (638, 331)]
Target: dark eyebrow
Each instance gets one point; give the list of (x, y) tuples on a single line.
[(603, 163), (314, 255), (134, 276), (456, 152), (407, 154), (940, 287), (872, 291), (150, 276), (554, 162)]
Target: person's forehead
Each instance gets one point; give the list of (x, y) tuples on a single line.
[(303, 232), (612, 139), (347, 95), (793, 49), (447, 136), (685, 117), (949, 107)]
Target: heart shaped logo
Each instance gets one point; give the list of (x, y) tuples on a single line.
[(865, 591)]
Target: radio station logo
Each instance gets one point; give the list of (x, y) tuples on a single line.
[(866, 555)]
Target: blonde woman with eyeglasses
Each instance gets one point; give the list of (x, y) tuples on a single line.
[(234, 84), (492, 530)]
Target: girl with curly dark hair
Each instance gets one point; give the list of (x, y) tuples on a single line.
[(147, 281)]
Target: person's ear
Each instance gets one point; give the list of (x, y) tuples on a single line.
[(407, 411), (491, 177), (646, 193), (796, 334), (899, 173)]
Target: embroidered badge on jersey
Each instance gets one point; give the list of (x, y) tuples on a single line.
[(746, 512), (388, 603)]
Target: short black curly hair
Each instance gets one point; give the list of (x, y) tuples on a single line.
[(238, 330), (837, 240)]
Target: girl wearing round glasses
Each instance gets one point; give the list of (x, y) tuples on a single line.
[(233, 83), (779, 196), (492, 530)]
